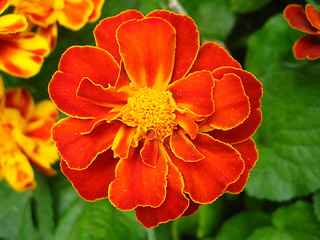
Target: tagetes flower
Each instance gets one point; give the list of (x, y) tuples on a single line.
[(307, 21), (156, 124), (25, 137)]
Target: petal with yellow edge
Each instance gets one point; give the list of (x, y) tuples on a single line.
[(137, 184), (75, 13), (249, 154), (122, 141), (187, 38), (150, 151), (12, 23), (50, 34), (307, 47), (95, 15), (148, 58), (187, 121), (194, 93), (212, 56), (80, 150), (173, 206), (105, 31), (208, 178), (22, 55), (92, 183), (232, 106), (3, 5), (313, 16), (75, 64), (20, 99)]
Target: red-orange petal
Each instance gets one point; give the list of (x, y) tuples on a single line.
[(192, 208), (208, 178), (187, 38), (79, 150), (92, 183), (97, 94), (173, 206), (307, 47), (137, 184), (75, 64), (150, 151), (187, 121), (105, 31), (249, 154), (232, 106), (183, 147), (148, 58), (20, 99), (296, 17), (3, 5), (194, 93), (313, 16), (212, 56), (122, 141), (123, 79)]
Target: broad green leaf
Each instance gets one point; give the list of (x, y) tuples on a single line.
[(246, 6), (294, 222), (316, 204), (240, 226)]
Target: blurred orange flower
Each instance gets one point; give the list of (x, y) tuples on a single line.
[(156, 123), (25, 137), (307, 21)]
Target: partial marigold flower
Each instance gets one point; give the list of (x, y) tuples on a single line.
[(25, 130), (307, 21), (155, 123)]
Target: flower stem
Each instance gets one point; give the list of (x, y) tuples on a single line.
[(151, 234), (175, 6)]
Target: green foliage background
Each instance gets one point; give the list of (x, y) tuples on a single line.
[(282, 198)]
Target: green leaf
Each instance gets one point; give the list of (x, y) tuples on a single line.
[(247, 6), (240, 226), (294, 222), (316, 204)]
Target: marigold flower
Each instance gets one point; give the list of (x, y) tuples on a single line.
[(25, 137), (156, 124), (307, 21)]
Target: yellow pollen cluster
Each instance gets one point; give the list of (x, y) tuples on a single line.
[(152, 112)]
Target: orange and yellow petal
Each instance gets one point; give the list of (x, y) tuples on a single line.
[(122, 141), (212, 56), (50, 34), (232, 106), (249, 154), (173, 206), (208, 178), (79, 150), (105, 31), (148, 58), (194, 93), (12, 23), (307, 46), (3, 5), (75, 64), (22, 55), (137, 184), (187, 41), (75, 13), (296, 17), (92, 183), (313, 16), (187, 121), (95, 15), (21, 100)]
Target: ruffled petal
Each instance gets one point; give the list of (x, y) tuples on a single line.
[(92, 183), (97, 94), (22, 55), (149, 152), (194, 93), (296, 17), (105, 31), (212, 56), (313, 16), (75, 14), (173, 206), (192, 208), (77, 149), (249, 154), (20, 99), (183, 147), (137, 184), (122, 141), (307, 47), (232, 106), (75, 64), (12, 23), (148, 58), (207, 179), (50, 34), (187, 41), (187, 121)]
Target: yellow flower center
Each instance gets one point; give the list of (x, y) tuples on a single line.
[(152, 112)]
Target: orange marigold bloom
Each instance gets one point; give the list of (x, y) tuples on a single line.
[(25, 137), (156, 123), (307, 21)]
